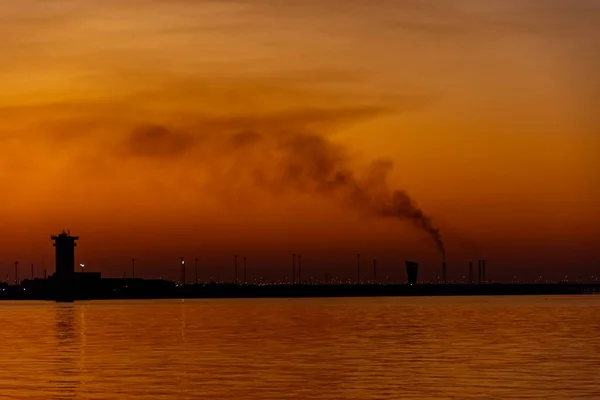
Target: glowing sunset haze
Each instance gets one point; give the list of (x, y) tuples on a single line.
[(159, 129)]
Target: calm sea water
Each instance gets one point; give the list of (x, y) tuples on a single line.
[(377, 348)]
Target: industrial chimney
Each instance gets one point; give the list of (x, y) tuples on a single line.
[(412, 270)]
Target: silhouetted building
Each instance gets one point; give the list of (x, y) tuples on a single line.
[(65, 254), (412, 270)]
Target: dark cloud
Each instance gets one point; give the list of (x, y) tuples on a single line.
[(288, 151), (245, 138), (224, 134), (314, 164), (158, 141)]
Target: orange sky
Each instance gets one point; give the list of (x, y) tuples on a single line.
[(117, 119)]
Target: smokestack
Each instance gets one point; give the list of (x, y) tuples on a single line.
[(294, 269), (412, 270), (444, 272), (374, 270), (470, 272), (300, 269), (358, 269)]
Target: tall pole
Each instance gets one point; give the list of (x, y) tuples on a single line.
[(196, 268), (294, 269), (133, 268), (235, 267), (374, 270), (300, 269), (16, 272), (358, 269), (31, 271), (182, 271), (470, 272), (245, 280), (484, 277)]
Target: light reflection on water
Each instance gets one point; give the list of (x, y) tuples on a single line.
[(385, 348)]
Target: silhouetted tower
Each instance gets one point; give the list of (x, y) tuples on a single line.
[(412, 270), (444, 272), (65, 254), (293, 269), (182, 271), (470, 272), (133, 268), (484, 277), (31, 271), (196, 268), (358, 269), (374, 270), (16, 272), (245, 280), (300, 269)]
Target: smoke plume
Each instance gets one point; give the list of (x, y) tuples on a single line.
[(313, 164), (280, 153)]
